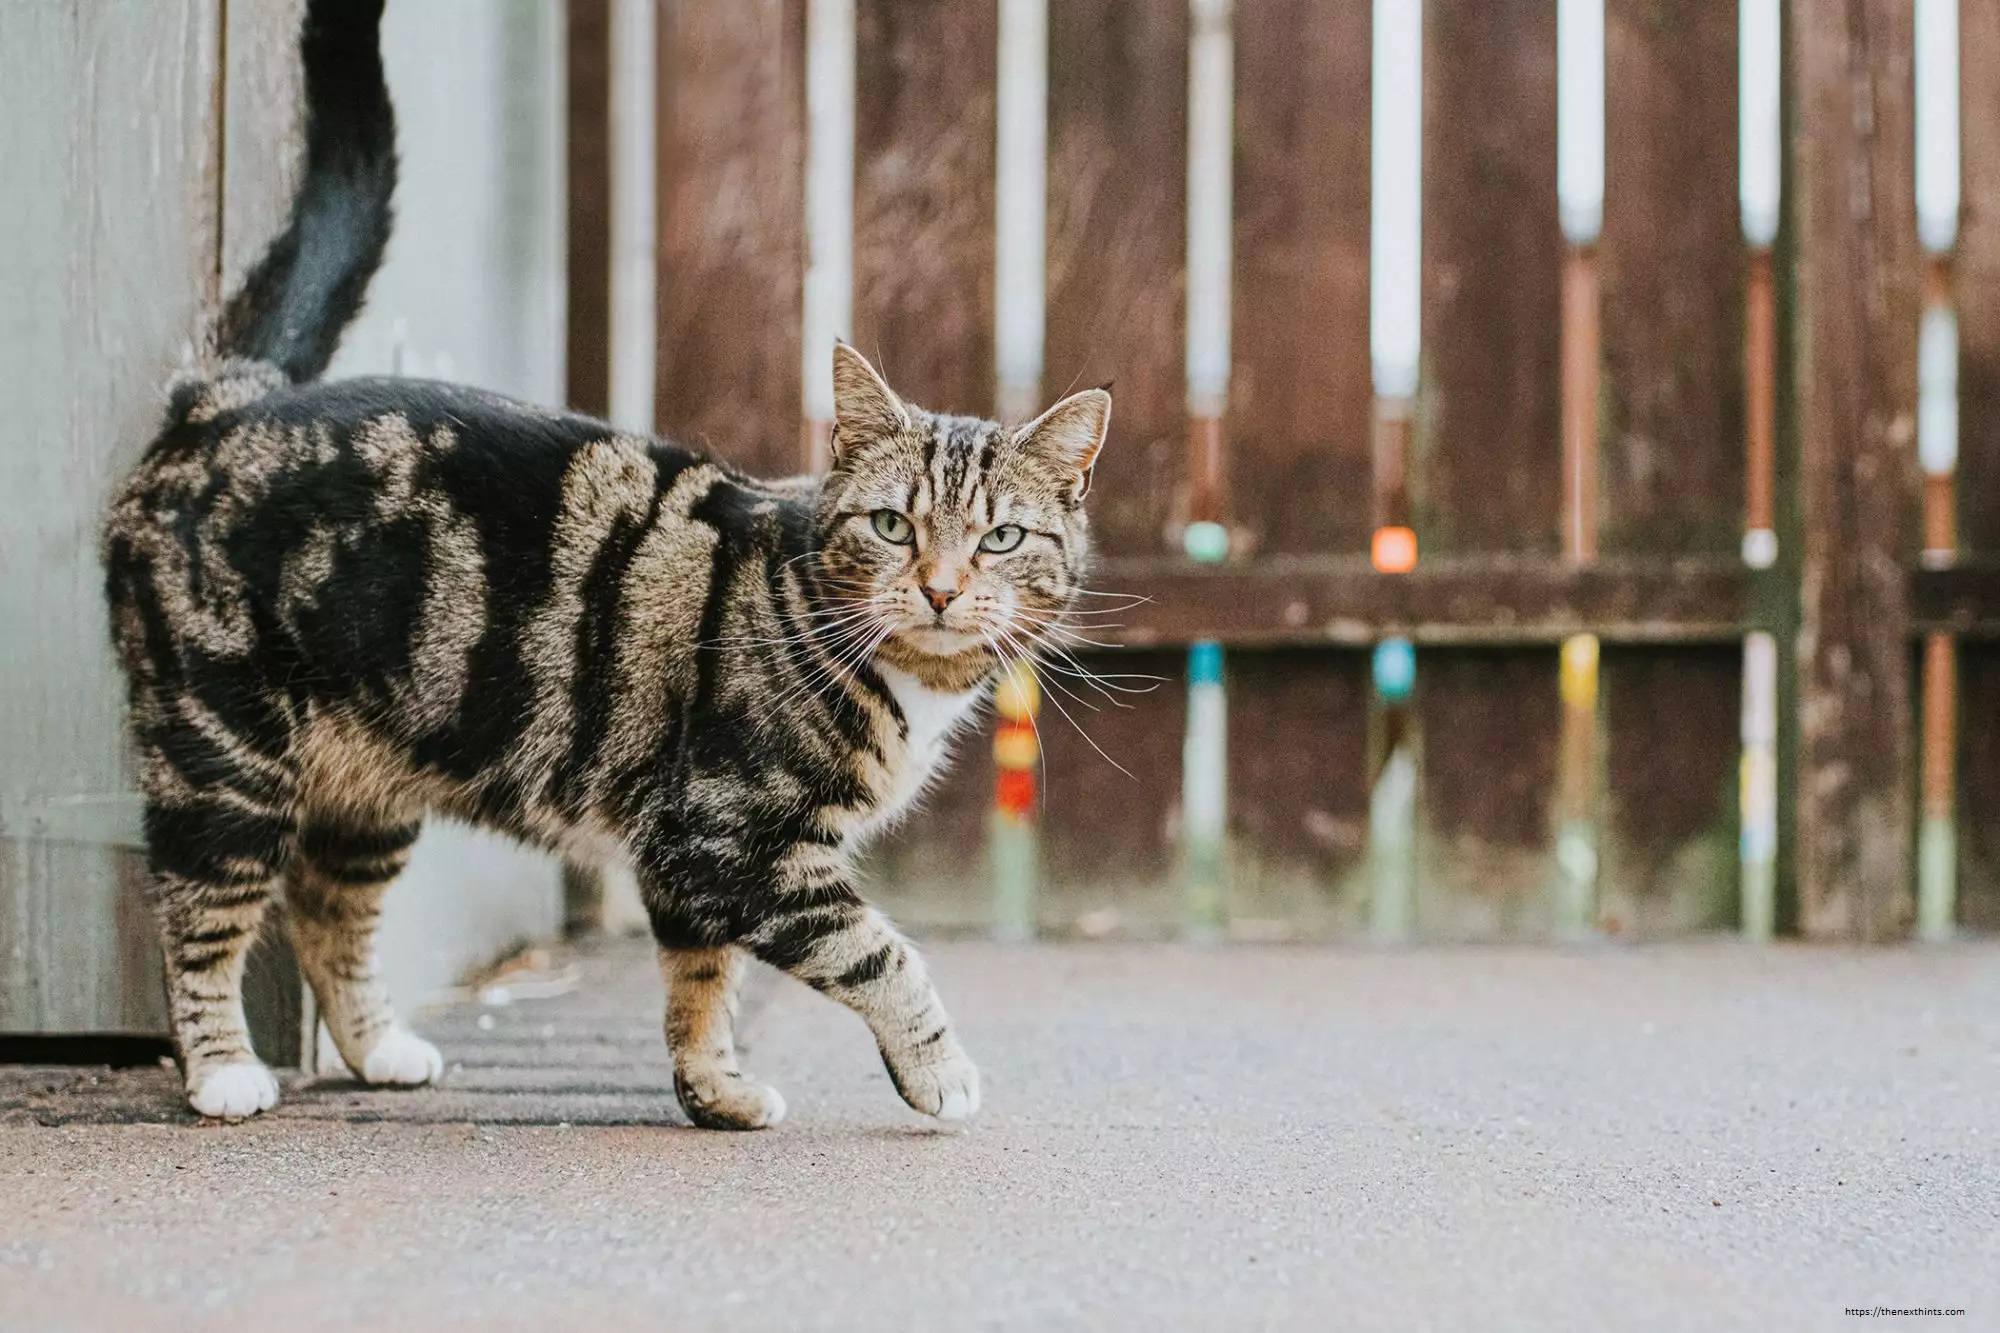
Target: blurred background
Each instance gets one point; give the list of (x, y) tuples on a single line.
[(1555, 441)]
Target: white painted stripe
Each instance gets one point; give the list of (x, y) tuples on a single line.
[(1937, 124), (1395, 218), (1580, 118), (1937, 392), (1758, 60), (634, 237), (1021, 202), (829, 283), (1205, 767), (1760, 689), (1211, 111)]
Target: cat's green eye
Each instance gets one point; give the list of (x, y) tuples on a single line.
[(891, 526), (1002, 539)]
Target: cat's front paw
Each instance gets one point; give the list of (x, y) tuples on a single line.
[(403, 1059), (724, 1099), (235, 1090), (940, 1081)]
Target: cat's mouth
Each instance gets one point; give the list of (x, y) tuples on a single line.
[(939, 640)]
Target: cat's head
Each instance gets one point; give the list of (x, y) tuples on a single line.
[(950, 538)]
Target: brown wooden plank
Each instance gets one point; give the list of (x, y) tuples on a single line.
[(1484, 599), (731, 227), (1117, 248), (1299, 424), (1978, 285), (588, 164), (1854, 376), (923, 197), (1963, 600), (1105, 869), (1298, 793), (1488, 471), (1672, 268), (1979, 789), (1668, 849), (1489, 720), (1671, 456)]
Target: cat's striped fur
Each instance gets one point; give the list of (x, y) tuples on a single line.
[(344, 605)]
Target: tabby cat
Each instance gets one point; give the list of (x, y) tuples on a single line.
[(344, 605)]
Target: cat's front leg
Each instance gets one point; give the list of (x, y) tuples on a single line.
[(839, 945)]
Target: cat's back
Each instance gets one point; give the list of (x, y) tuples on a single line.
[(411, 538)]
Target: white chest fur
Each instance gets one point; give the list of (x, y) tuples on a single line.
[(932, 717)]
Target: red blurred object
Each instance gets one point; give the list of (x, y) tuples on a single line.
[(1014, 792)]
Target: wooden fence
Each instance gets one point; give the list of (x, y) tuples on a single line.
[(1657, 574)]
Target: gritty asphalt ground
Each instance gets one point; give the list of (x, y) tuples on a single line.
[(1689, 1137)]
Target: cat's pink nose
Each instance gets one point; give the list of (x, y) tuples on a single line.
[(939, 598)]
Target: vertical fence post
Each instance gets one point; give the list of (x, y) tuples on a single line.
[(1013, 852), (635, 112), (829, 281), (1020, 294), (1020, 231), (1205, 752), (1759, 185), (1937, 194), (1395, 317), (1580, 186), (1854, 374)]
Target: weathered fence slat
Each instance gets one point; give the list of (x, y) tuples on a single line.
[(1855, 375)]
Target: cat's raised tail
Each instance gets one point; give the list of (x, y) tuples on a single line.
[(312, 279)]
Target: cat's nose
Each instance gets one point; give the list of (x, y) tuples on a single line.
[(939, 598)]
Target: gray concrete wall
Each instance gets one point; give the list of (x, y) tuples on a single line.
[(109, 144), (150, 147)]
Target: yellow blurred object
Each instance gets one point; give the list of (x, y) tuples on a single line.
[(1016, 746), (1018, 697), (1579, 671)]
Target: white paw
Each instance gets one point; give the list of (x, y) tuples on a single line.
[(945, 1086), (233, 1091), (728, 1101), (402, 1057)]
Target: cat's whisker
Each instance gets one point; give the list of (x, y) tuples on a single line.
[(1110, 692), (1134, 598), (842, 663), (805, 634), (1106, 685), (1052, 682), (1067, 628), (1070, 636), (1087, 610), (1041, 750), (1061, 660), (1067, 717)]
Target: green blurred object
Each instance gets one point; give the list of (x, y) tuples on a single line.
[(1206, 542)]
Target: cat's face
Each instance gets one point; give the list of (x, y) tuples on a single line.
[(945, 536)]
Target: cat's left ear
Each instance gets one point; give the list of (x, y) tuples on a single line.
[(1069, 435)]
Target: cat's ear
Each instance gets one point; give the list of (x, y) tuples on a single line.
[(864, 406), (1069, 435)]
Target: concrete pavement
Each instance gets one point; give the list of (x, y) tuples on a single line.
[(1688, 1137)]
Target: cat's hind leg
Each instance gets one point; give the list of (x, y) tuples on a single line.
[(701, 1037), (342, 866), (216, 854)]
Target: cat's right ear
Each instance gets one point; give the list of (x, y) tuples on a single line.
[(864, 406)]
